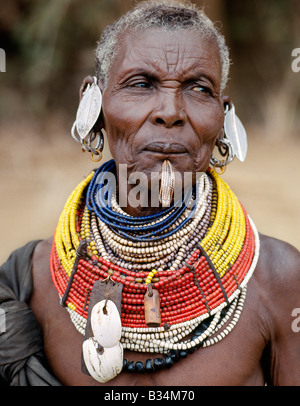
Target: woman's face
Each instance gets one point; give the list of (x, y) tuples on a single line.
[(163, 101)]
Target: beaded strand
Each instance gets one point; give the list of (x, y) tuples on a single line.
[(193, 287)]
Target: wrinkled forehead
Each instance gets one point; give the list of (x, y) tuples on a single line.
[(177, 52)]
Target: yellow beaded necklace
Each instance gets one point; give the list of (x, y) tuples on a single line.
[(224, 240), (211, 275), (222, 244)]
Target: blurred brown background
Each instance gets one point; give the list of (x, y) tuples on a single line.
[(49, 48)]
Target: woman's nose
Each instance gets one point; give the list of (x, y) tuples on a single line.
[(169, 111)]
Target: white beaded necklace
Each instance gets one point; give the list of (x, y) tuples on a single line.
[(158, 339), (150, 253)]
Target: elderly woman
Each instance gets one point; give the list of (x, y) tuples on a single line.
[(156, 275)]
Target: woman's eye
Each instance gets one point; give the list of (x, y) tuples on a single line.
[(142, 85), (201, 89)]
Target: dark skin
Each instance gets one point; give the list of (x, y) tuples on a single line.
[(168, 96)]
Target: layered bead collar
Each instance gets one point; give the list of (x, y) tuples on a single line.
[(197, 257)]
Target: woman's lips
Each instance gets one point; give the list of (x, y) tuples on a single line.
[(166, 148)]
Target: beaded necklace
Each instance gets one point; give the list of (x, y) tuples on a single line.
[(199, 256)]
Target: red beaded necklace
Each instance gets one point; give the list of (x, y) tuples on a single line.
[(189, 292)]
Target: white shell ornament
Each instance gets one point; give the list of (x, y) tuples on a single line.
[(89, 109), (236, 134), (103, 364), (106, 323)]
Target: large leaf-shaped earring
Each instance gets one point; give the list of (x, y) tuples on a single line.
[(234, 144), (86, 117), (235, 133)]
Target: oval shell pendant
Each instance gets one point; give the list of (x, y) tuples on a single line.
[(103, 364), (106, 323)]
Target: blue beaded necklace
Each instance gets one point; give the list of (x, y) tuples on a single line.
[(153, 227)]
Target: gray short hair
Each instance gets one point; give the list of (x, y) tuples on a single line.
[(159, 14)]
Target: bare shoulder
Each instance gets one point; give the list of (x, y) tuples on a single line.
[(43, 249), (278, 274), (279, 263), (278, 284), (41, 275), (41, 259)]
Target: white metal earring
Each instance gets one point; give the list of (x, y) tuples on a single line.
[(87, 114), (234, 144), (226, 150), (235, 133)]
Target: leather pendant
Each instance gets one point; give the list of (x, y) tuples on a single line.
[(152, 307)]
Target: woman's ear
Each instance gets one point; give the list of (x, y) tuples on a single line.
[(219, 138), (226, 100), (88, 80)]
